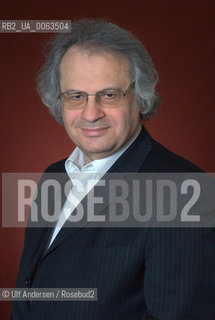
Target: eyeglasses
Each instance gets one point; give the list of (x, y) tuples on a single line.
[(108, 98)]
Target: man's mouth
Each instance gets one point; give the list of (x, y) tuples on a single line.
[(94, 132)]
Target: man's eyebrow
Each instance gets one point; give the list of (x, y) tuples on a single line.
[(72, 90), (107, 88), (110, 88)]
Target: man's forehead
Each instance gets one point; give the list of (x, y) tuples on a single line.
[(77, 53), (90, 70)]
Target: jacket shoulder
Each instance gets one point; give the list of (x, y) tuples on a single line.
[(56, 167), (160, 159)]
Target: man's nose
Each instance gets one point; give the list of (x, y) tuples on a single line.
[(92, 111)]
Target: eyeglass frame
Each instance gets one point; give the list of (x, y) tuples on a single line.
[(124, 93)]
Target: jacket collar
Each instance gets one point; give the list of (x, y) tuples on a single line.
[(130, 162)]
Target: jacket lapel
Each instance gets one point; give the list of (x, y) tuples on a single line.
[(130, 162)]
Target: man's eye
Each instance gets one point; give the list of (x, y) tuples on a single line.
[(76, 97), (109, 96)]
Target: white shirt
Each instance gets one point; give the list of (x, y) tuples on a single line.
[(84, 177)]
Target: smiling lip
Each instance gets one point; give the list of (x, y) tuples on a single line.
[(94, 132)]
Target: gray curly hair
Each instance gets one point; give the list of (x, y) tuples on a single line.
[(100, 36)]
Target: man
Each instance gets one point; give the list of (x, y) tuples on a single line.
[(99, 82)]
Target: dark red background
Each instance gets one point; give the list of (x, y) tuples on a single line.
[(179, 36)]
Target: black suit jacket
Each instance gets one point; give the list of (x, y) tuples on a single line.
[(139, 273)]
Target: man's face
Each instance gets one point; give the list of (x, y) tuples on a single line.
[(97, 130)]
